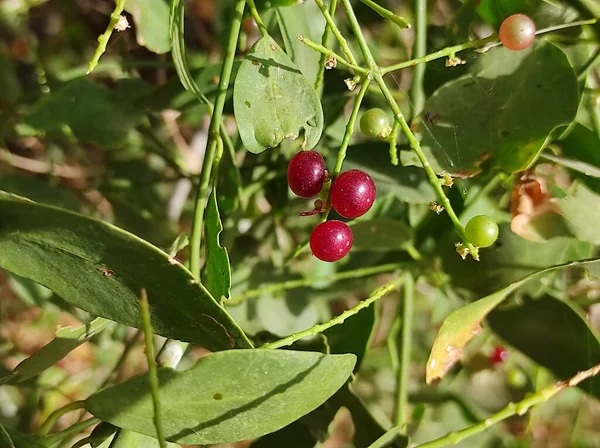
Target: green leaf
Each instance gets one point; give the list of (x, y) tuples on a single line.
[(272, 100), (380, 234), (67, 339), (505, 108), (28, 291), (510, 259), (218, 278), (580, 208), (92, 112), (5, 440), (151, 24), (581, 149), (554, 334), (227, 396), (409, 184), (463, 324), (101, 269), (19, 439), (302, 19)]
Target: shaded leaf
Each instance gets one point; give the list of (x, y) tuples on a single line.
[(554, 334), (272, 100), (151, 24), (94, 113), (380, 234), (67, 339), (463, 324), (218, 278), (495, 109), (409, 184), (580, 208), (101, 269), (28, 291), (5, 440), (19, 439), (581, 152), (243, 394)]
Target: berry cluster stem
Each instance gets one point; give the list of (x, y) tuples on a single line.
[(399, 117), (105, 37)]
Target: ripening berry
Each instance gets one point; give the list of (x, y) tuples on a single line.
[(481, 231), (500, 354), (306, 173), (517, 32), (331, 241), (375, 123), (352, 193)]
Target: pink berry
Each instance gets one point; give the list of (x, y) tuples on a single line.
[(517, 32), (331, 241), (500, 354), (352, 193), (306, 173)]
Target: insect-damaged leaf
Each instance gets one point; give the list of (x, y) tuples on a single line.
[(272, 100)]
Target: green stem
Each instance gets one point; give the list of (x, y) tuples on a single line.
[(56, 440), (439, 54), (325, 43), (589, 63), (152, 374), (414, 143), (595, 110), (350, 126), (405, 350), (256, 16), (306, 282), (393, 138), (54, 416), (512, 409), (420, 50), (319, 328), (336, 32), (104, 38), (325, 52), (213, 135), (387, 14)]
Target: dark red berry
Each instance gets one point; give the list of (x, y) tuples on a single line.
[(500, 354), (306, 172), (352, 193), (331, 241)]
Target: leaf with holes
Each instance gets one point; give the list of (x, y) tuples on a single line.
[(227, 396), (101, 269), (272, 100), (463, 324), (494, 111)]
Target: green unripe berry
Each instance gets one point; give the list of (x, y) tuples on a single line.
[(481, 231), (375, 123)]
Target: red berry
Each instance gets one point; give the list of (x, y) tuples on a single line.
[(331, 241), (517, 32), (500, 354), (352, 193), (306, 172)]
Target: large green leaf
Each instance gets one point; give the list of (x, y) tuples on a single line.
[(409, 184), (101, 269), (94, 113), (510, 259), (505, 108), (463, 324), (272, 100), (228, 396), (67, 339), (554, 334), (218, 278), (580, 208), (151, 23)]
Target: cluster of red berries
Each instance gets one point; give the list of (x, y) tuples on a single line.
[(352, 194)]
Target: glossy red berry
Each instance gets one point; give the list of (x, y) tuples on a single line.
[(517, 32), (306, 172), (500, 354), (331, 241), (352, 193)]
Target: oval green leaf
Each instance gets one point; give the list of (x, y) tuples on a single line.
[(228, 396), (505, 108), (101, 269), (272, 100)]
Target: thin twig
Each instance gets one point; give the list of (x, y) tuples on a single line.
[(324, 43), (104, 38)]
